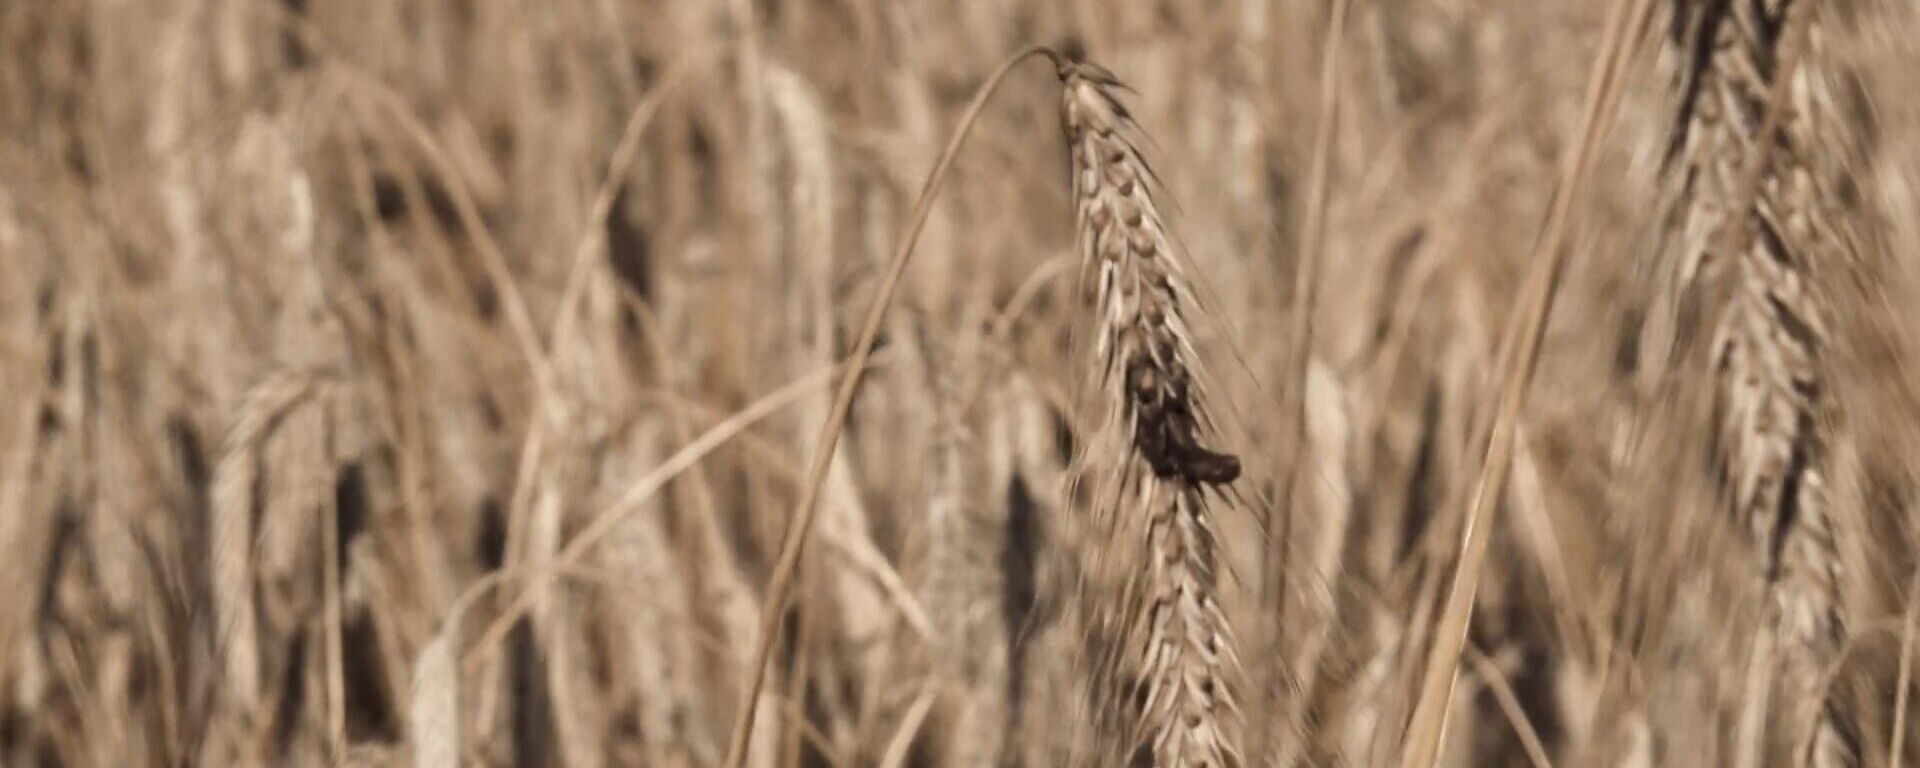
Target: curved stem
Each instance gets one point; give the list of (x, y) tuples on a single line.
[(781, 583)]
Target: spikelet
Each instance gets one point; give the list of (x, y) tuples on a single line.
[(1165, 681), (1769, 325)]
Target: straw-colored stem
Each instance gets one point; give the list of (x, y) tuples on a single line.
[(801, 523)]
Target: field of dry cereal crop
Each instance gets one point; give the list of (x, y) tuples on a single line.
[(959, 383)]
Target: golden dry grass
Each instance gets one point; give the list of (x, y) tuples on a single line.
[(456, 382)]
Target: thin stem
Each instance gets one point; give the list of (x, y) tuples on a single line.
[(1521, 353), (781, 583)]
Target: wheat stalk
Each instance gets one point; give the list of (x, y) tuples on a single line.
[(794, 542), (1168, 685), (1744, 141), (1526, 328)]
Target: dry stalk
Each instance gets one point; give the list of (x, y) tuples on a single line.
[(1526, 328), (1167, 684), (793, 545)]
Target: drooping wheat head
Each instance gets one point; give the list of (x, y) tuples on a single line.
[(1165, 684), (1769, 327)]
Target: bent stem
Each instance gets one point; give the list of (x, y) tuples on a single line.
[(781, 583)]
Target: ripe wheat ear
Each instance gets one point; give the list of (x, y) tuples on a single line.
[(1745, 144), (1166, 683)]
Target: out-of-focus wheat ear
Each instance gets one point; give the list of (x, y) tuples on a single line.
[(1328, 498), (25, 344), (1759, 230), (236, 480), (1043, 706), (25, 525), (434, 713), (869, 596), (640, 553), (556, 620), (965, 545), (1283, 658), (722, 602), (1167, 683), (1356, 710)]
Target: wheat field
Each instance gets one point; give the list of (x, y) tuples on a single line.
[(956, 383)]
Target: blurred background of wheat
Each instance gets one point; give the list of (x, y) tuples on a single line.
[(363, 401)]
